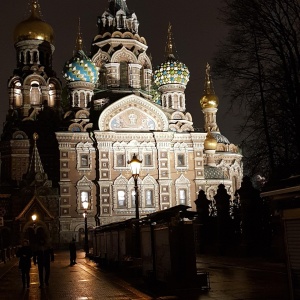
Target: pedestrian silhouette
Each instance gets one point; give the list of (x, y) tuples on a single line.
[(42, 257), (222, 203), (25, 253), (72, 248)]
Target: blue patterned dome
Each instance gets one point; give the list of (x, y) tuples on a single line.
[(80, 68), (171, 71)]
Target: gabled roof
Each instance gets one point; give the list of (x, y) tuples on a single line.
[(34, 201)]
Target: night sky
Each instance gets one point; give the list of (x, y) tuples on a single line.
[(196, 30)]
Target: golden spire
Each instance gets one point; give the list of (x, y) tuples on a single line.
[(208, 85), (170, 46), (79, 40), (209, 99), (35, 9)]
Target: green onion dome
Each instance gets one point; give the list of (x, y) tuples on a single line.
[(171, 71), (80, 68)]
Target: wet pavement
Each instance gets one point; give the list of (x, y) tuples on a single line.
[(81, 281), (230, 279)]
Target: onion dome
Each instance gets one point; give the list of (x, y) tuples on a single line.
[(209, 99), (34, 28), (210, 142), (171, 71), (80, 67)]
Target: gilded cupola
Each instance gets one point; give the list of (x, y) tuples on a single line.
[(210, 142), (34, 28)]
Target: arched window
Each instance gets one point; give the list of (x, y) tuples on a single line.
[(27, 60), (170, 102), (182, 196), (123, 74), (103, 77), (35, 93), (76, 100), (121, 198), (149, 197), (133, 198)]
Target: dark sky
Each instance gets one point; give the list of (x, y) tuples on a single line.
[(196, 30)]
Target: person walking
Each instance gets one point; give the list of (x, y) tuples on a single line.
[(43, 256), (25, 253), (72, 248)]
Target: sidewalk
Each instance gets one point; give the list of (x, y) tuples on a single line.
[(7, 265), (82, 281), (230, 279)]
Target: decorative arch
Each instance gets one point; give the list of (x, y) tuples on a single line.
[(123, 55), (188, 117), (133, 113), (177, 115), (117, 34), (82, 114), (127, 35), (101, 58), (88, 126), (34, 77), (149, 192), (19, 135), (144, 60), (75, 127), (120, 194)]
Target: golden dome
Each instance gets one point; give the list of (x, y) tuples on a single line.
[(34, 28), (209, 101), (210, 142)]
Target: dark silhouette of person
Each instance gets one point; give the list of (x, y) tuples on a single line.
[(223, 204), (25, 253), (43, 256), (72, 248), (202, 205), (251, 209)]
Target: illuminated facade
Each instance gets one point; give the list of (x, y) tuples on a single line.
[(120, 106)]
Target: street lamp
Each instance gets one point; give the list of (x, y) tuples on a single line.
[(135, 166), (85, 205), (34, 217)]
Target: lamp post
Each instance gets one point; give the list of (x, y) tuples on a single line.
[(33, 238), (135, 166), (85, 205), (34, 217)]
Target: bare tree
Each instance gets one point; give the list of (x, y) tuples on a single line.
[(260, 62)]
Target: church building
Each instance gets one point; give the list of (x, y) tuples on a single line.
[(119, 105)]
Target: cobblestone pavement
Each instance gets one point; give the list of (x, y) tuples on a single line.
[(79, 282), (230, 279)]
